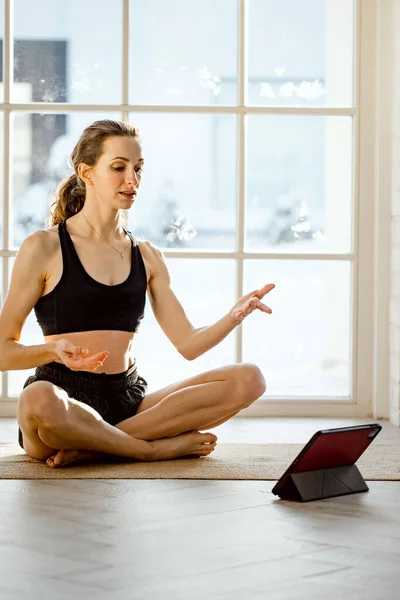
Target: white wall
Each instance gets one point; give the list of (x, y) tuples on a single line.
[(395, 218)]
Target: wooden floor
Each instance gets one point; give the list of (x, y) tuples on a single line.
[(146, 540)]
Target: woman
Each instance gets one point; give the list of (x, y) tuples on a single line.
[(86, 278)]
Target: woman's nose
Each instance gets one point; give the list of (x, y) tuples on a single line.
[(132, 177)]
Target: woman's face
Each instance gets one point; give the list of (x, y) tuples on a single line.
[(118, 172)]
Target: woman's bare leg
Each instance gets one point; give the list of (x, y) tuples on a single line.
[(201, 402), (50, 421)]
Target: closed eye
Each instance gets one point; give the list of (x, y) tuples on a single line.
[(138, 169)]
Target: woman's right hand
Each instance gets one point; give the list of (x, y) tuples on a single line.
[(75, 357)]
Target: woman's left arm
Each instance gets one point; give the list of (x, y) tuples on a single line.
[(192, 342)]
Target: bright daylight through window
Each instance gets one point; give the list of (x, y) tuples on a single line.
[(246, 116)]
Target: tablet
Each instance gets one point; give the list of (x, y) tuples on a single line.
[(331, 448)]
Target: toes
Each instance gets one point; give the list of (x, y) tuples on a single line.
[(209, 438), (50, 461), (58, 460), (206, 452), (207, 449)]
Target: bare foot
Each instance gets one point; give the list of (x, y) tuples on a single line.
[(70, 457), (191, 443)]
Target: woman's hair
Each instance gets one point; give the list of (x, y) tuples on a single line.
[(70, 193)]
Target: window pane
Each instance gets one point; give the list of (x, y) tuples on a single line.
[(303, 348), (42, 145), (299, 184), (68, 51), (188, 197), (206, 300), (182, 51), (301, 53)]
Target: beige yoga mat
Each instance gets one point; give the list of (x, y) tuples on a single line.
[(228, 461)]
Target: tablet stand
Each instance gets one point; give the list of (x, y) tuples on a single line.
[(323, 483)]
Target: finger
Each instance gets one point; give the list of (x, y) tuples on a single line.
[(264, 290), (249, 295), (82, 364), (264, 308), (85, 366), (92, 364), (254, 292)]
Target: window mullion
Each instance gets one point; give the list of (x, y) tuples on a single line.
[(240, 158)]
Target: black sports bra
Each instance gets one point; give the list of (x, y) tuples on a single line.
[(80, 303)]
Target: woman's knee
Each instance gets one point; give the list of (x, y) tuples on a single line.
[(41, 402), (250, 383)]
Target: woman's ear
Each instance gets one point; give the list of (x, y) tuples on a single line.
[(84, 173)]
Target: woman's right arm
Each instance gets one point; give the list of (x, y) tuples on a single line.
[(25, 289)]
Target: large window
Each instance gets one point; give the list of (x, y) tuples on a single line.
[(248, 114)]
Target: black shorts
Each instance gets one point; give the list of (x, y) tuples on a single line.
[(115, 397)]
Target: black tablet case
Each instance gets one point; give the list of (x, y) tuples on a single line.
[(339, 476)]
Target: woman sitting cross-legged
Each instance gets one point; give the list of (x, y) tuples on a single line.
[(86, 277)]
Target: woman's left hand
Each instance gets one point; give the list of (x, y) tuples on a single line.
[(250, 302)]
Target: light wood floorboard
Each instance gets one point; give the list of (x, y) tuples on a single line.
[(180, 539)]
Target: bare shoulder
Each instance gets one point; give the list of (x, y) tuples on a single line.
[(42, 240), (41, 246), (48, 240), (153, 258)]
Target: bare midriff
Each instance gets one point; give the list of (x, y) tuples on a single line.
[(105, 267), (117, 343)]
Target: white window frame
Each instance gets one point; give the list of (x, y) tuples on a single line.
[(369, 310)]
